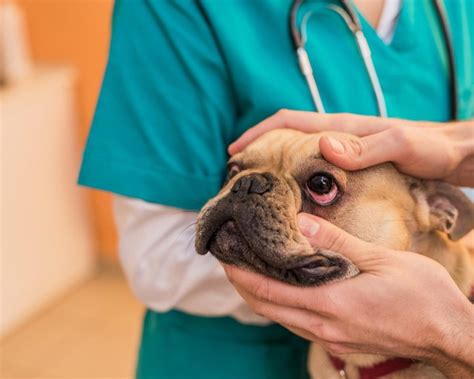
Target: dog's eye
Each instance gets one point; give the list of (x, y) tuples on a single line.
[(323, 188), (232, 170)]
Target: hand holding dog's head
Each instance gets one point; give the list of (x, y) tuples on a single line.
[(252, 221)]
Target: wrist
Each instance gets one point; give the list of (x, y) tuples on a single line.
[(451, 341), (460, 138), (461, 135)]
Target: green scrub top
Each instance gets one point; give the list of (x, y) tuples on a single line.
[(186, 78)]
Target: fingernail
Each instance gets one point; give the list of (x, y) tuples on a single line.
[(336, 145), (307, 226)]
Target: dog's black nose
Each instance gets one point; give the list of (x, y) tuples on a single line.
[(252, 183)]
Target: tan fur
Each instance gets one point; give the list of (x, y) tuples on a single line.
[(378, 205)]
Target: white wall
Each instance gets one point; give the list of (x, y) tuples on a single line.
[(47, 244)]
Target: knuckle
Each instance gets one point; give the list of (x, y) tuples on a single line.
[(336, 241), (331, 335), (330, 305), (316, 327), (357, 147), (283, 113), (284, 116), (261, 290), (258, 308), (403, 137), (399, 134), (336, 348)]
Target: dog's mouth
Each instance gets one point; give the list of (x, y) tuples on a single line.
[(229, 245)]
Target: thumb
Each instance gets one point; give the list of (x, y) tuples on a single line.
[(321, 233), (356, 153)]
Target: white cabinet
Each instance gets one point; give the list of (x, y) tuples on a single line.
[(47, 245)]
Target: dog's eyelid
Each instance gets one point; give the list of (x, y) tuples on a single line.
[(231, 165)]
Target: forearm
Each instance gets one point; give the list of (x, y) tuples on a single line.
[(461, 136), (453, 351)]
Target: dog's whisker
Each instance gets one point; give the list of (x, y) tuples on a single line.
[(191, 240), (186, 229), (189, 226), (187, 239)]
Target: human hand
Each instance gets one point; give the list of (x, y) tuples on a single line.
[(422, 149), (397, 306)]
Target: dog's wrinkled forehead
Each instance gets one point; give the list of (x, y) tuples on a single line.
[(279, 150)]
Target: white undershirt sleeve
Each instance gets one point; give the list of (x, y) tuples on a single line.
[(156, 248)]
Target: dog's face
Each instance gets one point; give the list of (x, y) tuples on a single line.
[(252, 221)]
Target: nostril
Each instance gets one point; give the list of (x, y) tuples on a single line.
[(259, 185), (253, 183), (236, 187)]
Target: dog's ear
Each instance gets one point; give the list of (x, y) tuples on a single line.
[(443, 207)]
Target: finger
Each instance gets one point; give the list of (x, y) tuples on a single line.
[(307, 324), (325, 235), (328, 345), (311, 122), (302, 333), (358, 153), (261, 288), (297, 318)]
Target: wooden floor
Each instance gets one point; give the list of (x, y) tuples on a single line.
[(92, 333)]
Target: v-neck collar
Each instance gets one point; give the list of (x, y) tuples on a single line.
[(403, 35)]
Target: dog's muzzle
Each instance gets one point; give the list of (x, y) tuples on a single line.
[(251, 228)]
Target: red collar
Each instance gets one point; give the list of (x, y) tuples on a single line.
[(379, 370)]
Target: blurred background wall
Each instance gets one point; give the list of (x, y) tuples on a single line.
[(65, 308), (54, 234), (77, 32)]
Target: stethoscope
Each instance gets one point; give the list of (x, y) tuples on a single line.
[(351, 19)]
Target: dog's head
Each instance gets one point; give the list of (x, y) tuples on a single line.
[(252, 221)]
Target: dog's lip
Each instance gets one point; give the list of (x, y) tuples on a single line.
[(229, 223), (306, 263), (296, 269)]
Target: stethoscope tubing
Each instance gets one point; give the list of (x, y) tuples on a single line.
[(448, 40), (351, 19)]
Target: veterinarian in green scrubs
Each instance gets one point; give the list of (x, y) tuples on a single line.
[(186, 78)]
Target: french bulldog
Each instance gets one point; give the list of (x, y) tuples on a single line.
[(251, 223)]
